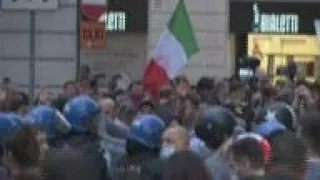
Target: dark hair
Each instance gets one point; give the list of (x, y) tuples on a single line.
[(194, 99), (70, 82), (310, 129), (316, 87), (302, 82), (109, 96), (185, 119), (250, 149), (165, 93), (24, 146), (127, 113), (288, 155), (278, 176), (205, 83), (94, 83), (235, 85), (134, 83), (6, 80), (147, 103), (86, 68), (185, 165), (120, 92), (181, 79), (24, 98), (19, 100)]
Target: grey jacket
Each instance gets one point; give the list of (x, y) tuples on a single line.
[(113, 143), (313, 168), (219, 168)]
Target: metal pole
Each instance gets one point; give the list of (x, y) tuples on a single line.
[(32, 61), (79, 19), (250, 108)]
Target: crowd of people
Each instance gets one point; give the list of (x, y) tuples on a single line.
[(206, 131)]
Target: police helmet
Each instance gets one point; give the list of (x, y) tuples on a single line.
[(43, 116), (8, 121), (215, 124), (79, 109), (283, 113), (268, 124), (146, 130)]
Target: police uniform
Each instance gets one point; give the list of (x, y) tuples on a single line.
[(215, 125), (77, 111), (142, 161)]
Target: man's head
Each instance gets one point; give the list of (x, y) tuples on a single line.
[(188, 111), (6, 82), (120, 96), (85, 72), (69, 88), (182, 85), (175, 138), (107, 105), (165, 95), (236, 92), (22, 148), (84, 87), (146, 107), (205, 85), (310, 130), (247, 157), (136, 88), (127, 113)]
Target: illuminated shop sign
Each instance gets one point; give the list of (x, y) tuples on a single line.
[(273, 17), (274, 22), (115, 21)]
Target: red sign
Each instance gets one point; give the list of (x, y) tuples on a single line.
[(93, 12), (92, 34)]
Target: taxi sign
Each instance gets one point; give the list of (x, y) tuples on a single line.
[(92, 34)]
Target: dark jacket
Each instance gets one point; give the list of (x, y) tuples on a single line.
[(219, 168), (139, 167), (88, 144)]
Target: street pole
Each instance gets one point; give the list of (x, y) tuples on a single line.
[(250, 63), (32, 60), (250, 110), (78, 55)]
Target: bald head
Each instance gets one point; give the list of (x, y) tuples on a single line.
[(107, 105), (176, 136)]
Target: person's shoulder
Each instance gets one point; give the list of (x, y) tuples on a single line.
[(28, 176), (313, 170)]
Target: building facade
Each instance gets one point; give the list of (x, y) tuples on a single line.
[(58, 56)]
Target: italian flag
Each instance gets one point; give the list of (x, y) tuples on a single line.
[(176, 45)]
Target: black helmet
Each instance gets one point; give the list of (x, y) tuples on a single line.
[(283, 113), (215, 124)]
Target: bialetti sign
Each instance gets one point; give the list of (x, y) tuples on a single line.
[(274, 22), (273, 17)]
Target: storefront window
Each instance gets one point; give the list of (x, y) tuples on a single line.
[(310, 69)]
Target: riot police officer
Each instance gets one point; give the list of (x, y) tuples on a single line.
[(274, 119), (216, 125), (284, 113), (51, 121), (143, 145), (82, 112)]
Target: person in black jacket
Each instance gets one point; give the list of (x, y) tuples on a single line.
[(142, 161), (82, 112)]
